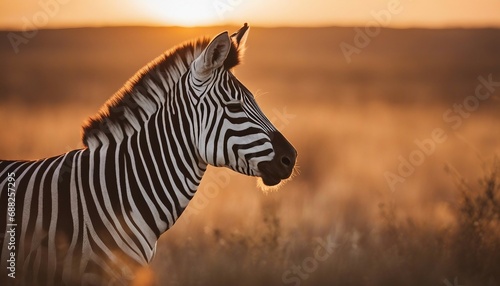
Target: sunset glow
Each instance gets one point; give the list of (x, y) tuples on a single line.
[(426, 13)]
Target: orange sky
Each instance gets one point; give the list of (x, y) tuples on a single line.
[(398, 13)]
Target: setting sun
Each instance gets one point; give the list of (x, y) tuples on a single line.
[(182, 13)]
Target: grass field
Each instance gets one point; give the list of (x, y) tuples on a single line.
[(398, 152)]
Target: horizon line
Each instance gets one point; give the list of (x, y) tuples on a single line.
[(284, 26)]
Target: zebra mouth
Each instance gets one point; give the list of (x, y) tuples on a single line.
[(271, 175), (270, 180)]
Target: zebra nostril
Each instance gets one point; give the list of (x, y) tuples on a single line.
[(286, 161)]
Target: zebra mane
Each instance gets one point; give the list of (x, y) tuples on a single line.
[(141, 96)]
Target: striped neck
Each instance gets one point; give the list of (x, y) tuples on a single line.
[(145, 134), (156, 174)]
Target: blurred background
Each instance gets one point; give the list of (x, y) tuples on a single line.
[(393, 107)]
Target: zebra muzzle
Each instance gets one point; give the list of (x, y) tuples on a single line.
[(281, 166)]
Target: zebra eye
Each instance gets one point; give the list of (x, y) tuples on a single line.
[(234, 107)]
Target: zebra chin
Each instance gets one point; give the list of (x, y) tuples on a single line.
[(282, 165)]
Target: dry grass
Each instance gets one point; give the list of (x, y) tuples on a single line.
[(389, 248)]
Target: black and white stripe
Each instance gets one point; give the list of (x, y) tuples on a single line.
[(92, 216)]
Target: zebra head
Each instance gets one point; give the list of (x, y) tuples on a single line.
[(233, 131)]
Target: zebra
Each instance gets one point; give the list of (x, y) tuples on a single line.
[(93, 216)]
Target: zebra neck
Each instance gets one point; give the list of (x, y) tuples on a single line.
[(163, 169), (151, 149)]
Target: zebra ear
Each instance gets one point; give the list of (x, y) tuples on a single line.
[(240, 37), (214, 55)]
